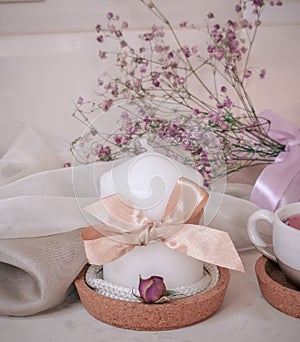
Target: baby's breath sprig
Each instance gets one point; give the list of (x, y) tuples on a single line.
[(165, 69)]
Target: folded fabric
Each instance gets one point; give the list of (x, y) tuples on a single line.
[(36, 272), (45, 203), (28, 153), (40, 247), (40, 221)]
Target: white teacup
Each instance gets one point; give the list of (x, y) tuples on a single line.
[(286, 239)]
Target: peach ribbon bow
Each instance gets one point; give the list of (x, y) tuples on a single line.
[(125, 227)]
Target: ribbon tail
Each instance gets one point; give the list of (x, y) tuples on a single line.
[(100, 249), (205, 244)]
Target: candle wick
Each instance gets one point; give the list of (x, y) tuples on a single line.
[(145, 145)]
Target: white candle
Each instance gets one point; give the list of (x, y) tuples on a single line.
[(147, 181)]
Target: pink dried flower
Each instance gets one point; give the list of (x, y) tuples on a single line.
[(152, 289), (100, 39), (102, 54), (247, 73), (109, 15), (186, 51), (244, 50), (159, 48), (181, 80), (219, 53), (148, 36), (107, 104), (124, 115), (156, 83), (80, 100), (194, 49), (210, 49), (238, 8), (118, 33), (262, 73), (227, 103), (104, 153), (123, 43), (118, 139), (258, 3)]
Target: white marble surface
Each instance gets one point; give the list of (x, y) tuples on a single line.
[(243, 316)]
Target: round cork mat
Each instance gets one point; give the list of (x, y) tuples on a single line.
[(276, 288), (139, 316)]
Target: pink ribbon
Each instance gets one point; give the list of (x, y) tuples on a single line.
[(279, 183), (125, 227)]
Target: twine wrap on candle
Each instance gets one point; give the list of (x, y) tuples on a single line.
[(125, 227)]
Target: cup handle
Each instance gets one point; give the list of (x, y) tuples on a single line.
[(254, 235)]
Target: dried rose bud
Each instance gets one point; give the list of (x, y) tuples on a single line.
[(152, 289)]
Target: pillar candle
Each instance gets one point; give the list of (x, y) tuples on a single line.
[(147, 181)]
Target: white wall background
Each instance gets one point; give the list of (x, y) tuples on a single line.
[(48, 57)]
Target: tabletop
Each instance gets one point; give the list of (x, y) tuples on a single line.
[(244, 316)]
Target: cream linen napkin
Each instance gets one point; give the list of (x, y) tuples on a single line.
[(40, 221)]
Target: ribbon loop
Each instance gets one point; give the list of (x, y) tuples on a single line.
[(279, 183), (178, 229)]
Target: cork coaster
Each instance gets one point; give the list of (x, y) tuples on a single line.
[(139, 316), (276, 288)]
